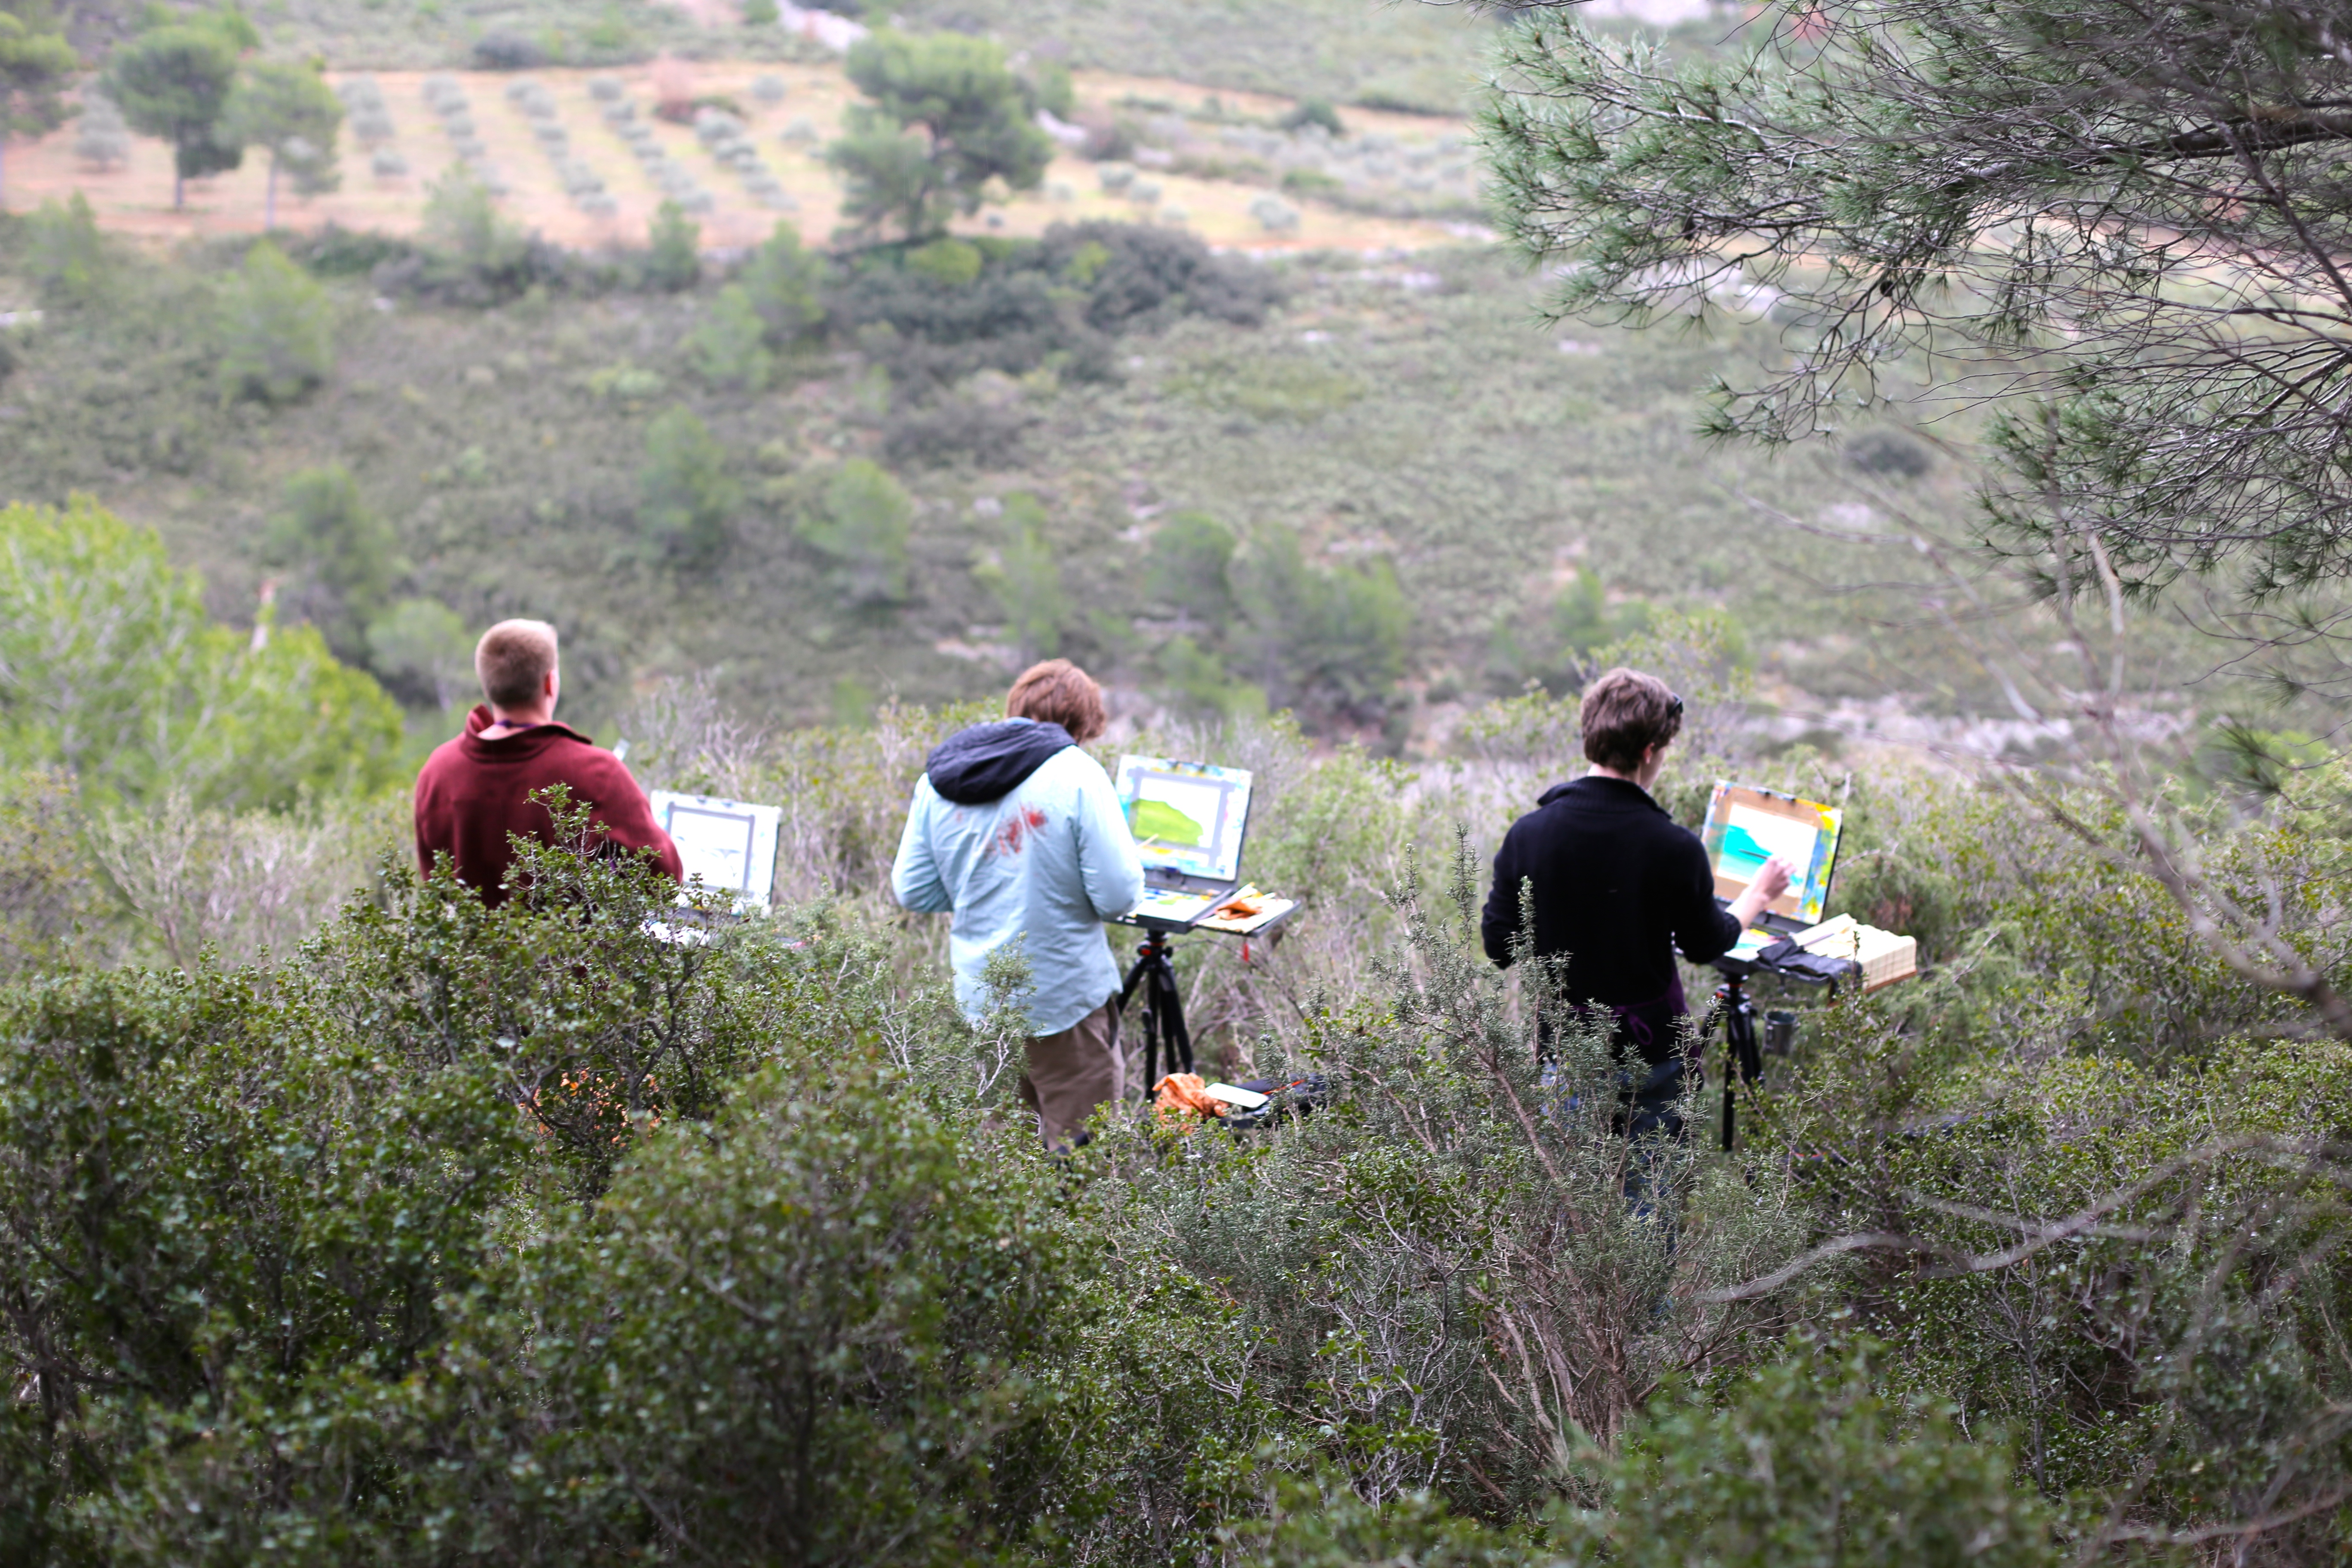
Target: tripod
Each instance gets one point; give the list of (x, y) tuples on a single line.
[(1163, 1007), (1742, 1062)]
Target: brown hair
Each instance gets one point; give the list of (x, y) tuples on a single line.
[(1625, 713), (1059, 692), (512, 660)]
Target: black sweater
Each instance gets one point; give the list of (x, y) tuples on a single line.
[(1618, 885)]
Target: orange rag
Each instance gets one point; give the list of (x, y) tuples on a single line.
[(1181, 1092)]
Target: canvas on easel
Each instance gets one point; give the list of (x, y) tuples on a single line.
[(730, 844), (1188, 820), (1746, 827)]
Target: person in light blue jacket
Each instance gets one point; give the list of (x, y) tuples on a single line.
[(1018, 834)]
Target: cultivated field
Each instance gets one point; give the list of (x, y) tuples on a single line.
[(789, 133)]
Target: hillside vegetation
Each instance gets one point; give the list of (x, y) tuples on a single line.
[(344, 1220), (1372, 420)]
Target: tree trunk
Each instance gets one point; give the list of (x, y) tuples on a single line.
[(179, 186), (4, 171), (269, 200)]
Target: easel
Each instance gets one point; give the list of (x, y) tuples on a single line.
[(1743, 1058), (1163, 1006)]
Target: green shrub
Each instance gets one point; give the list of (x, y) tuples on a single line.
[(110, 667), (462, 217), (728, 344), (1024, 577), (672, 259), (345, 554), (689, 496), (424, 651), (65, 253), (1809, 1465), (277, 329), (211, 1206), (858, 517), (1316, 111), (53, 908), (1188, 567), (853, 1370), (1328, 641), (785, 284)]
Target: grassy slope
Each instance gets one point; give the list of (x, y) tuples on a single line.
[(1416, 412)]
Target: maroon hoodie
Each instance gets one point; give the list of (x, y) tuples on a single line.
[(473, 792)]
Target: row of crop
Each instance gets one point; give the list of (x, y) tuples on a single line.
[(445, 96), (580, 182), (370, 119), (674, 179)]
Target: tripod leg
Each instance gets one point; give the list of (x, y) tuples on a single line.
[(1171, 1022), (1740, 1062), (1140, 974), (1727, 1006), (1730, 1072)]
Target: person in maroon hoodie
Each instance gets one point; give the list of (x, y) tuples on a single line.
[(475, 790)]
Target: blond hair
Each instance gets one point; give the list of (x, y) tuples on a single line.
[(512, 660)]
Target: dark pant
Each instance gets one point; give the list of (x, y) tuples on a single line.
[(1650, 1097), (1649, 1109)]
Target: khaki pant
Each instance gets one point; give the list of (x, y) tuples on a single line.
[(1072, 1072)]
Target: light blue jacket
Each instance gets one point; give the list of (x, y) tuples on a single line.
[(1037, 871)]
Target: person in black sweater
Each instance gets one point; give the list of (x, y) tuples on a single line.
[(1616, 885)]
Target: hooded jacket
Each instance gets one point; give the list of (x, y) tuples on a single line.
[(974, 766), (473, 792), (1617, 886), (1033, 869)]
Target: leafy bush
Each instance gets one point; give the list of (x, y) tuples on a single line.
[(1324, 640), (277, 329), (65, 252), (785, 284), (1187, 568), (51, 901), (1558, 650), (858, 517), (346, 557), (728, 344), (113, 670), (1315, 111), (689, 494), (504, 51), (1808, 1463), (1024, 577), (674, 249), (424, 651), (474, 256), (1012, 311), (968, 425)]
